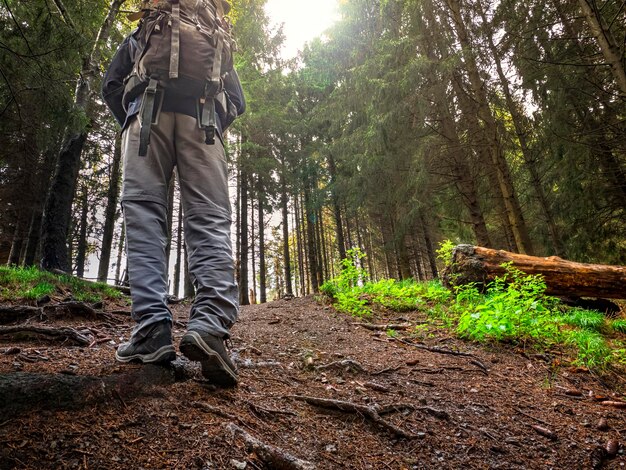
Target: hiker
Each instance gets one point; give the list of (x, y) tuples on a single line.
[(175, 119)]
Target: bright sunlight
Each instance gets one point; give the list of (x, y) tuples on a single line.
[(303, 20)]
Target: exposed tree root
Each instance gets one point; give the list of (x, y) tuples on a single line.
[(17, 313), (370, 412), (273, 457), (438, 350), (49, 334), (25, 392)]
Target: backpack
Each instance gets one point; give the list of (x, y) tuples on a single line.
[(184, 46)]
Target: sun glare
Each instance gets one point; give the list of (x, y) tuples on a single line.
[(303, 20)]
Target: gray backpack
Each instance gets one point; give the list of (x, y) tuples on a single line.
[(184, 46)]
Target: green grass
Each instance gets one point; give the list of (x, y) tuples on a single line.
[(18, 284), (513, 310)]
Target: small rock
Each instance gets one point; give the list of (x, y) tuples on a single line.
[(331, 448), (603, 425), (18, 365), (238, 465), (612, 447)]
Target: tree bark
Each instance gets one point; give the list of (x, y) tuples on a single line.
[(562, 277), (57, 214)]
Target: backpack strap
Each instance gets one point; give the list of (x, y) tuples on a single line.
[(145, 114), (175, 46)]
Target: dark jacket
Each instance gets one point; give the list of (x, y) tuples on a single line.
[(122, 65)]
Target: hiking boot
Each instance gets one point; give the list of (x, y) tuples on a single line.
[(210, 351), (155, 347)]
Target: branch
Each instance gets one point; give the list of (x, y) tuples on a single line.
[(64, 14)]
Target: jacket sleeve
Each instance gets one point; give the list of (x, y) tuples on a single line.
[(232, 85), (113, 82)]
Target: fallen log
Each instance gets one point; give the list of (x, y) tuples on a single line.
[(475, 264)]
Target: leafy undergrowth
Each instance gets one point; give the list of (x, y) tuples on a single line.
[(514, 310), (18, 284)]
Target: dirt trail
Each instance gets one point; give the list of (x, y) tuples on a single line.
[(393, 405)]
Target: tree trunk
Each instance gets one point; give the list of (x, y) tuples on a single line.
[(18, 241), (252, 254), (120, 253), (562, 277), (611, 51), (300, 245), (262, 267), (520, 130), (341, 244), (110, 212), (311, 245), (285, 213), (81, 255), (170, 219), (430, 252), (179, 250), (514, 212), (244, 299), (190, 291), (57, 214)]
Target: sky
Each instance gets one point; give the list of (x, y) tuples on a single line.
[(304, 20)]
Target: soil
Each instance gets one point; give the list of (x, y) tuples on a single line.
[(409, 407)]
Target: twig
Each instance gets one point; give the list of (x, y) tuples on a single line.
[(435, 349), (273, 457), (214, 410), (52, 334), (532, 417), (370, 412), (390, 326), (266, 411)]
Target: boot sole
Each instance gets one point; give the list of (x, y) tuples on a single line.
[(214, 368), (161, 355)]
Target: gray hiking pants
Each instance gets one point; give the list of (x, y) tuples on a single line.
[(202, 174)]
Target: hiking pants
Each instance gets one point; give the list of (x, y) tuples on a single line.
[(177, 141)]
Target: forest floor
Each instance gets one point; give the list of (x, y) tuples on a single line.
[(317, 390)]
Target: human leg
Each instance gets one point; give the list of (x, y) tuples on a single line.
[(203, 179), (144, 202)]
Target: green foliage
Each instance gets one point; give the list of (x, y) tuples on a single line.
[(593, 350), (514, 309), (585, 319), (619, 326), (31, 284), (444, 253)]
